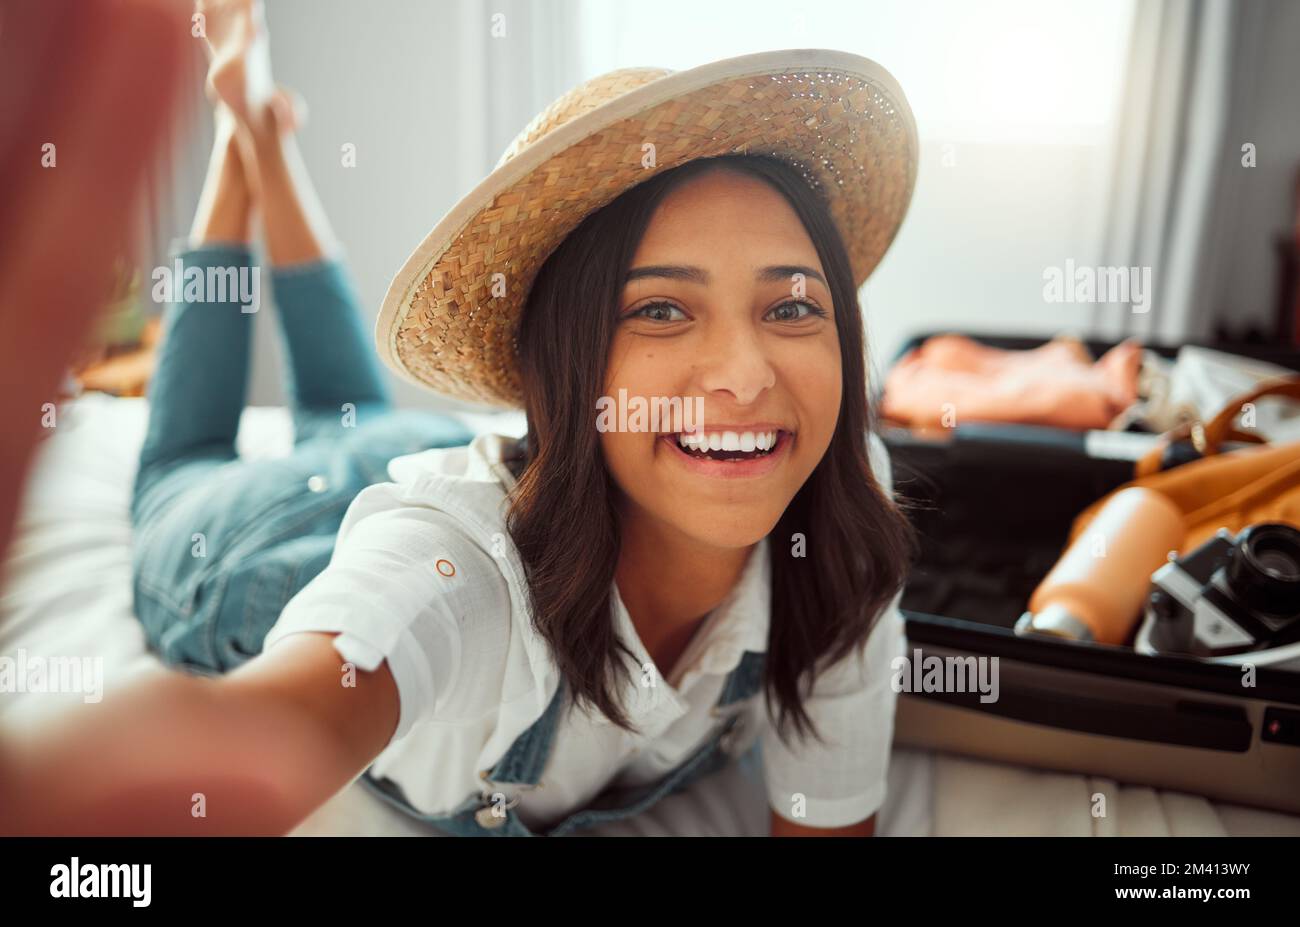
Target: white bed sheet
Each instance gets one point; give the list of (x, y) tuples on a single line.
[(66, 589)]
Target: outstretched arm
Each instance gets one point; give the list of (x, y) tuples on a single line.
[(253, 752)]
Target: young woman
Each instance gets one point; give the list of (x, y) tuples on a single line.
[(534, 637)]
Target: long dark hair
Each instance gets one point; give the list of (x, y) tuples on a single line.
[(563, 518)]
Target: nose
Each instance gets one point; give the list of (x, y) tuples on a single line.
[(733, 359)]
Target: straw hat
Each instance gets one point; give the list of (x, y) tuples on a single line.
[(448, 322)]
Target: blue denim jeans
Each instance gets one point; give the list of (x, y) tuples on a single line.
[(221, 544)]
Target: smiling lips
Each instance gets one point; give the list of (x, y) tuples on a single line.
[(731, 453), (714, 441)]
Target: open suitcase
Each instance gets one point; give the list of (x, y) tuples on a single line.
[(996, 505)]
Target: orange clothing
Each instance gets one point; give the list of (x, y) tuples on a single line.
[(950, 378)]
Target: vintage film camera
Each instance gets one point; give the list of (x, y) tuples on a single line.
[(1230, 596)]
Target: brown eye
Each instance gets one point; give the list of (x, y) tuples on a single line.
[(658, 312), (789, 312)]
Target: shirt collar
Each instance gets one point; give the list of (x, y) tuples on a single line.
[(739, 623)]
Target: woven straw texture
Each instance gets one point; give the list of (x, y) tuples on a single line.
[(851, 137)]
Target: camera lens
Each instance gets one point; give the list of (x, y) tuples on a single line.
[(1265, 569)]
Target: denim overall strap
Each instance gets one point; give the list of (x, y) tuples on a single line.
[(742, 684), (744, 681), (524, 761), (482, 814)]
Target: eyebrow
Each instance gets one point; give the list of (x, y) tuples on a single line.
[(773, 273)]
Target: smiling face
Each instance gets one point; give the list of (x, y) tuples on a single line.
[(726, 301)]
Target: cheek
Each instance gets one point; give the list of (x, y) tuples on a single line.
[(629, 458), (642, 367), (815, 379), (642, 370)]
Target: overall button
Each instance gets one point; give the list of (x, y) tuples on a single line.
[(486, 818), (318, 483), (484, 815)]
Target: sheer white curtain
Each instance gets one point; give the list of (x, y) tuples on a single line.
[(1251, 207), (1178, 172), (1155, 207)]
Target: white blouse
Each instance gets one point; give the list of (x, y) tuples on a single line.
[(424, 574)]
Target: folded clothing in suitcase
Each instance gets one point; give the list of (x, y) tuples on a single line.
[(993, 505)]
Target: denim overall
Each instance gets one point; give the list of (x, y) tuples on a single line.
[(485, 815), (220, 544)]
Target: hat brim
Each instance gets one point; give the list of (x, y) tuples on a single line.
[(448, 320)]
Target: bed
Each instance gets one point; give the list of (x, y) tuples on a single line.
[(65, 588)]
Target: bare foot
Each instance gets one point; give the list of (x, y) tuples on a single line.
[(290, 110), (240, 73)]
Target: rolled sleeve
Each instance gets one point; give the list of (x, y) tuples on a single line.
[(401, 582)]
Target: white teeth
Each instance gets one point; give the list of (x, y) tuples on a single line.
[(745, 441)]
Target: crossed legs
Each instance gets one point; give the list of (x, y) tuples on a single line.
[(198, 390)]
